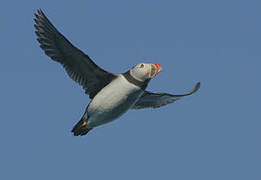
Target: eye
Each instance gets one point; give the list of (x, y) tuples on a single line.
[(142, 65)]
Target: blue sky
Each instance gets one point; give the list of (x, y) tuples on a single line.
[(214, 134)]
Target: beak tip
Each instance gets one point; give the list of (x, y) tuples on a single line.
[(158, 67)]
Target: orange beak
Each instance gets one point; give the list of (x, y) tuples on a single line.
[(158, 68)]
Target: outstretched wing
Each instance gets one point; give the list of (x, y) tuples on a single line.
[(156, 100), (77, 64)]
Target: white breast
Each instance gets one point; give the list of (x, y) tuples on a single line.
[(112, 101)]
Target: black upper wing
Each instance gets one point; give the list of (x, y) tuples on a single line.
[(77, 64), (156, 100)]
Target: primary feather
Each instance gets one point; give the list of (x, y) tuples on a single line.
[(77, 64)]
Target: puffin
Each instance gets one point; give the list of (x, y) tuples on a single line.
[(111, 94)]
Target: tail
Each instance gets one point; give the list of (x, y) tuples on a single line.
[(80, 128)]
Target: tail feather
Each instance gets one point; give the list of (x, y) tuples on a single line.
[(80, 128)]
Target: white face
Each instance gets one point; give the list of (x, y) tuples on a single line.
[(144, 71)]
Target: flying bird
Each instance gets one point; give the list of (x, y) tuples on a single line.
[(111, 94)]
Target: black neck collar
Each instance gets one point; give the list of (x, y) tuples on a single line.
[(136, 82)]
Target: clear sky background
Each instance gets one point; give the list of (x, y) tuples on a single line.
[(211, 135)]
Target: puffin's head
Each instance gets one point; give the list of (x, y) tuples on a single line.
[(143, 71)]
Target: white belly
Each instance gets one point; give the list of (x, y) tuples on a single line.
[(112, 101)]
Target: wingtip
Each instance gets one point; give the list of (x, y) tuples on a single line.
[(37, 15), (197, 86), (39, 12), (195, 89)]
